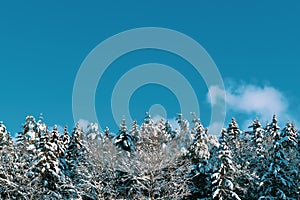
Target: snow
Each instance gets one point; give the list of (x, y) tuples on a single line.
[(155, 166)]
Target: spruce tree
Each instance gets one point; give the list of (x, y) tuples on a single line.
[(80, 165), (45, 174), (8, 189), (124, 140), (223, 178), (135, 131), (277, 180), (199, 156)]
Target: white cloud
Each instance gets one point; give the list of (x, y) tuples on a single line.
[(214, 94), (252, 100), (263, 101)]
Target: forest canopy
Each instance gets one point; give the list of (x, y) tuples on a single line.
[(150, 161)]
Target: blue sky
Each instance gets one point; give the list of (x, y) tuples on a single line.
[(255, 45)]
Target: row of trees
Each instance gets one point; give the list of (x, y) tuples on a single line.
[(151, 161)]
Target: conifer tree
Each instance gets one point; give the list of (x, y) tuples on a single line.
[(44, 174), (135, 131), (277, 180), (184, 132), (80, 166), (223, 178), (199, 156), (7, 157), (235, 142), (124, 140)]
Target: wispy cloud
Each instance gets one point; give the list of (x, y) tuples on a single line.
[(252, 100), (215, 94), (263, 101)]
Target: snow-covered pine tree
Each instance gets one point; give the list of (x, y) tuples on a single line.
[(271, 131), (3, 133), (198, 149), (80, 165), (26, 151), (292, 151), (67, 188), (134, 132), (147, 119), (168, 131), (258, 141), (65, 138), (277, 180), (184, 132), (44, 174), (234, 141), (124, 140), (289, 137), (41, 128), (223, 178), (108, 136), (196, 121), (93, 135), (256, 158), (238, 142), (198, 154), (8, 189), (55, 139), (74, 151), (183, 124), (26, 138)]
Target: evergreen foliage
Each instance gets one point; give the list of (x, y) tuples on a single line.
[(150, 161)]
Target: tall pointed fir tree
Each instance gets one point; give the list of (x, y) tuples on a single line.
[(134, 132), (289, 136), (80, 166), (44, 174), (198, 149), (199, 155), (277, 180), (3, 133), (57, 143), (93, 136), (271, 131), (170, 133), (257, 140), (65, 138), (184, 132), (257, 154), (238, 143), (223, 179), (8, 189), (26, 150), (292, 151), (234, 141), (124, 140), (41, 129)]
